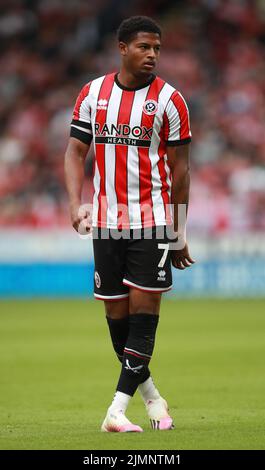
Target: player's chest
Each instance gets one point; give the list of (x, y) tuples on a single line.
[(127, 114)]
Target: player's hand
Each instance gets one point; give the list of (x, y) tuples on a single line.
[(81, 217), (181, 259)]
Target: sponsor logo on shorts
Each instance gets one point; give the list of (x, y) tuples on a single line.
[(161, 275), (97, 280)]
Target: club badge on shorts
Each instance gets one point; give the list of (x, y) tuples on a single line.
[(97, 280), (150, 107)]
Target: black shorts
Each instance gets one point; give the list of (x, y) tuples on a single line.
[(131, 261)]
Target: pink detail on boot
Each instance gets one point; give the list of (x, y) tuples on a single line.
[(166, 423), (124, 428)]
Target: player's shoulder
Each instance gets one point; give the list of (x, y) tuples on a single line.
[(93, 86), (99, 80), (171, 94), (167, 91)]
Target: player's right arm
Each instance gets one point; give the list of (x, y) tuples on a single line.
[(76, 152), (74, 163)]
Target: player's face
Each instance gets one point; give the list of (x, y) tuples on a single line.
[(140, 56)]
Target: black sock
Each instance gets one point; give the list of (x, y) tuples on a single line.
[(137, 352), (119, 330)]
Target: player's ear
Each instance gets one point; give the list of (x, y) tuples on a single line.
[(123, 48)]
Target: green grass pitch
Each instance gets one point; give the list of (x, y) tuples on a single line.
[(58, 376)]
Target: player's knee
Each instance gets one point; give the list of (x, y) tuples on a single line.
[(147, 302), (117, 310)]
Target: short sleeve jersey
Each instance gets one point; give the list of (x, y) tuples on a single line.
[(130, 130)]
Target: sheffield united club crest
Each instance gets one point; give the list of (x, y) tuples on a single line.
[(150, 107)]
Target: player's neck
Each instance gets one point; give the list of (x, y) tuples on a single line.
[(128, 80)]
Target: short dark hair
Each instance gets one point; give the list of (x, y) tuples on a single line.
[(129, 28)]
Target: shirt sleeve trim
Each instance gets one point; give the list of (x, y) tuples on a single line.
[(81, 123), (86, 131), (174, 143), (80, 135)]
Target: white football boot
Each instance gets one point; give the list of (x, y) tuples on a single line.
[(157, 411), (116, 421)]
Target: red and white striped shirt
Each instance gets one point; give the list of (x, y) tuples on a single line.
[(130, 129)]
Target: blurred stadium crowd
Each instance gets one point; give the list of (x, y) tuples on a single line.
[(213, 52)]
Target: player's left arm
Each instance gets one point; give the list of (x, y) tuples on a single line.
[(178, 161)]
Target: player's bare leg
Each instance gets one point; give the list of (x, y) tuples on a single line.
[(117, 309), (143, 301)]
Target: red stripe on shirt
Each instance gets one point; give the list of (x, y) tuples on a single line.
[(183, 115), (104, 93), (166, 126), (163, 177), (82, 95), (121, 170), (145, 169)]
